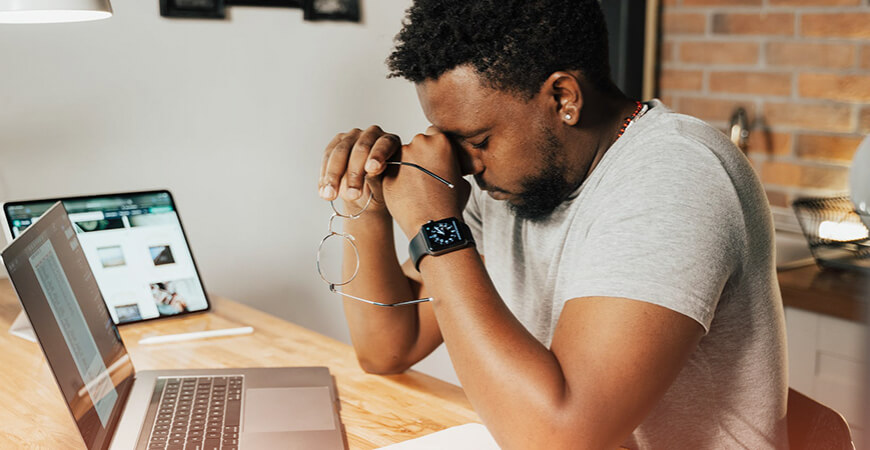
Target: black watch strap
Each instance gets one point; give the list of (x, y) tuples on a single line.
[(418, 248)]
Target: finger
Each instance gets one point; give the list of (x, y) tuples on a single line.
[(382, 150), (431, 131), (337, 164), (326, 154), (355, 172)]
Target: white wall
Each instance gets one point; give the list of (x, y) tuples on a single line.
[(231, 115)]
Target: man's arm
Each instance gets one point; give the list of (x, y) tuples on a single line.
[(386, 340), (610, 361)]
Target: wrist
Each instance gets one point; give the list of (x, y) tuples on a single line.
[(430, 265), (370, 223), (412, 227), (439, 237)]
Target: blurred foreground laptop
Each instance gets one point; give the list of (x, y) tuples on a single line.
[(116, 407)]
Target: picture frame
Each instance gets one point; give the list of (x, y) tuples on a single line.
[(266, 3), (193, 9), (341, 10)]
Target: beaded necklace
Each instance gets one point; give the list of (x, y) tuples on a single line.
[(629, 119)]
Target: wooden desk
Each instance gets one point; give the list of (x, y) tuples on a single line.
[(375, 410)]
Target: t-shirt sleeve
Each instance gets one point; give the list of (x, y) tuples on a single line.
[(667, 231), (473, 215)]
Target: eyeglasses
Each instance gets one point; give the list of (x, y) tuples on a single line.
[(349, 239)]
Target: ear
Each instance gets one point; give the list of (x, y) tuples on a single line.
[(562, 89)]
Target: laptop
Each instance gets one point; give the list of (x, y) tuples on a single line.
[(136, 247), (117, 407)]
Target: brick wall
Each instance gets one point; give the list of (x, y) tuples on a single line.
[(801, 69)]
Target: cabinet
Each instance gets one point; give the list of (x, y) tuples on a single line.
[(827, 358), (827, 341)]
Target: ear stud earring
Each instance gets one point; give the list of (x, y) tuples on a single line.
[(567, 116)]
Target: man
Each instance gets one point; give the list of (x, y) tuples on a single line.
[(628, 294)]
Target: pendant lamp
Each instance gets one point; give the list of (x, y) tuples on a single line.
[(53, 11)]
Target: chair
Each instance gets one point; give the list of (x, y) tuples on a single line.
[(812, 425)]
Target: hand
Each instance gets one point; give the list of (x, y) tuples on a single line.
[(352, 166), (412, 197)]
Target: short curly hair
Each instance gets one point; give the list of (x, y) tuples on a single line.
[(514, 45)]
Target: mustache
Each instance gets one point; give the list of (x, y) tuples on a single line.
[(478, 178)]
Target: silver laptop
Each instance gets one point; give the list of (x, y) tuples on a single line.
[(116, 407)]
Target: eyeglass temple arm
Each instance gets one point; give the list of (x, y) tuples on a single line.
[(424, 170), (387, 305)]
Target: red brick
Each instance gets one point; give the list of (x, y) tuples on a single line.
[(813, 2), (691, 80), (769, 143), (751, 83), (667, 52), (819, 117), (845, 25), (719, 52), (783, 174), (777, 198), (755, 24), (721, 2), (864, 120), (713, 110), (798, 54), (836, 178), (683, 23), (835, 87), (827, 147), (865, 57), (791, 174)]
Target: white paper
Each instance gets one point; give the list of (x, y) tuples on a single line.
[(471, 436), (21, 328)]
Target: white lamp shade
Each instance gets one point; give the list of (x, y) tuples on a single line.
[(53, 11)]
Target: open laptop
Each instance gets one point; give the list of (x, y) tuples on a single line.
[(116, 407), (136, 247)]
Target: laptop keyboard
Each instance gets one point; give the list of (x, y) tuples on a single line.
[(199, 413)]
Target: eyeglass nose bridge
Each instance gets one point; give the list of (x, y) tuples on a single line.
[(329, 228)]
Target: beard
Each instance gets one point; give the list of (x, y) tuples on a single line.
[(543, 192)]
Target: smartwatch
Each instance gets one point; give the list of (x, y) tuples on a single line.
[(437, 237)]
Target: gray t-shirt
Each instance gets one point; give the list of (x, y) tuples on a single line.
[(675, 216)]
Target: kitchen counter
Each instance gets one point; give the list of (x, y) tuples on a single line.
[(837, 293)]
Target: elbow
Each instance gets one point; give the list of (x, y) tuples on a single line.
[(562, 430), (382, 366), (568, 440)]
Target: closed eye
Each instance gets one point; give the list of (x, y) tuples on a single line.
[(482, 144)]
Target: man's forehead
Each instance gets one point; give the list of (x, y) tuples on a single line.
[(456, 102)]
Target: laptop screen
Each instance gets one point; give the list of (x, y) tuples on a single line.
[(81, 343), (136, 247)]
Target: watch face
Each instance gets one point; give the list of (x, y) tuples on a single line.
[(442, 235)]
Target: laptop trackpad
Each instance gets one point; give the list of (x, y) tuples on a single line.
[(288, 409)]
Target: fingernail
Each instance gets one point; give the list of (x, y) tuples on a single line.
[(372, 165), (353, 193), (328, 192)]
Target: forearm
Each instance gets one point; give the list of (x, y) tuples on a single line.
[(513, 381), (385, 339)]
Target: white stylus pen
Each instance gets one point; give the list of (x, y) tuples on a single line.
[(196, 335)]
